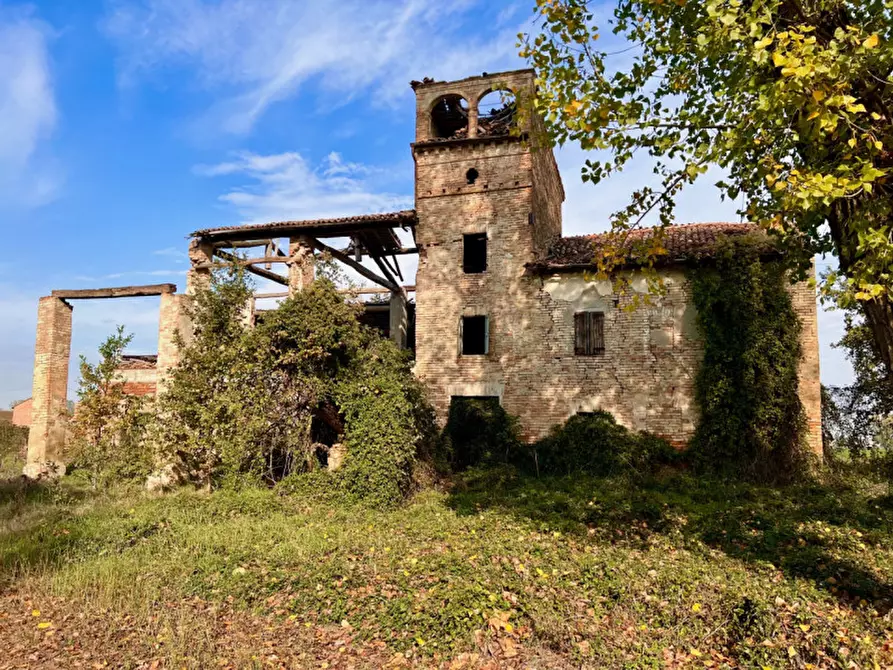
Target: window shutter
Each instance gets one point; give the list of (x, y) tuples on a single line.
[(487, 335), (597, 330), (579, 334), (589, 333), (461, 335)]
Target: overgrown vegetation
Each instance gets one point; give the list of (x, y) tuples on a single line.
[(269, 403), (13, 443), (514, 571), (596, 444), (481, 432), (752, 421), (107, 430)]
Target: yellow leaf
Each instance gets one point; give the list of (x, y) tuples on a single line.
[(813, 115), (792, 652), (778, 59), (871, 42), (818, 96), (44, 624), (35, 612), (696, 608), (878, 145), (804, 627), (695, 652)]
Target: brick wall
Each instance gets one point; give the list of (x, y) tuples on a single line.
[(645, 376), (21, 413), (50, 387), (172, 319)]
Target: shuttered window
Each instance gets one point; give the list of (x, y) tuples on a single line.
[(589, 333)]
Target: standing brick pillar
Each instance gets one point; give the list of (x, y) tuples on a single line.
[(300, 268), (49, 396), (399, 322), (200, 253), (172, 319), (803, 297)]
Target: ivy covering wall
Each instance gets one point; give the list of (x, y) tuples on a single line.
[(752, 421)]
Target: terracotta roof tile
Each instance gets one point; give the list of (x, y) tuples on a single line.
[(403, 218), (682, 242), (138, 362)]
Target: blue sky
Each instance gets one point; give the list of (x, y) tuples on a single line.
[(126, 124)]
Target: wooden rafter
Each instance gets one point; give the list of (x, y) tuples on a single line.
[(389, 283), (260, 272)]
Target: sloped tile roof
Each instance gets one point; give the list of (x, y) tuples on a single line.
[(403, 218), (682, 242)]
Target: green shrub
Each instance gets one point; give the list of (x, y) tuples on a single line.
[(260, 405), (752, 421), (596, 444), (13, 444)]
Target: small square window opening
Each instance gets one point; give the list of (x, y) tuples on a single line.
[(474, 337), (474, 253)]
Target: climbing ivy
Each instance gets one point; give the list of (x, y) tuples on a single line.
[(270, 404), (752, 421)]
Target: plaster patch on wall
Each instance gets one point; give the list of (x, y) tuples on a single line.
[(576, 289)]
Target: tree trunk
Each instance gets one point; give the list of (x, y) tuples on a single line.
[(878, 312), (879, 317)]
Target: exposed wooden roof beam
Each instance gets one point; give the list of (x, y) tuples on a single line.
[(260, 272), (116, 292), (350, 262)]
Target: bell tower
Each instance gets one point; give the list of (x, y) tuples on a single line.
[(488, 199)]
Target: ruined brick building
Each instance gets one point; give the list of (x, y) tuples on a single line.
[(502, 306)]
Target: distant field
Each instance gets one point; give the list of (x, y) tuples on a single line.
[(500, 571)]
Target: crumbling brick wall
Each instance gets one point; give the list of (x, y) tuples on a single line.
[(647, 372)]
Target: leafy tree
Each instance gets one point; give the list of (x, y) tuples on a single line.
[(792, 98), (861, 415), (106, 429)]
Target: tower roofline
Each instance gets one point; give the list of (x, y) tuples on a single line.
[(416, 85)]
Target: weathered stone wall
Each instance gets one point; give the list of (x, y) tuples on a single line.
[(49, 396), (645, 376)]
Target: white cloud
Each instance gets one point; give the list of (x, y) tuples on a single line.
[(259, 52), (27, 110), (285, 187)]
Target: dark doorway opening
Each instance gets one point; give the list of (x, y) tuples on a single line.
[(480, 431)]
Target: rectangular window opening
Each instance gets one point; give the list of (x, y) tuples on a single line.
[(589, 333), (474, 253), (475, 336)]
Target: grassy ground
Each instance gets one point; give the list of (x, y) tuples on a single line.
[(499, 571)]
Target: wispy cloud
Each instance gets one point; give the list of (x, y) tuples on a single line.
[(27, 110), (258, 52), (285, 186)]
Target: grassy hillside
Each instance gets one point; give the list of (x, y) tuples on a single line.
[(499, 571)]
